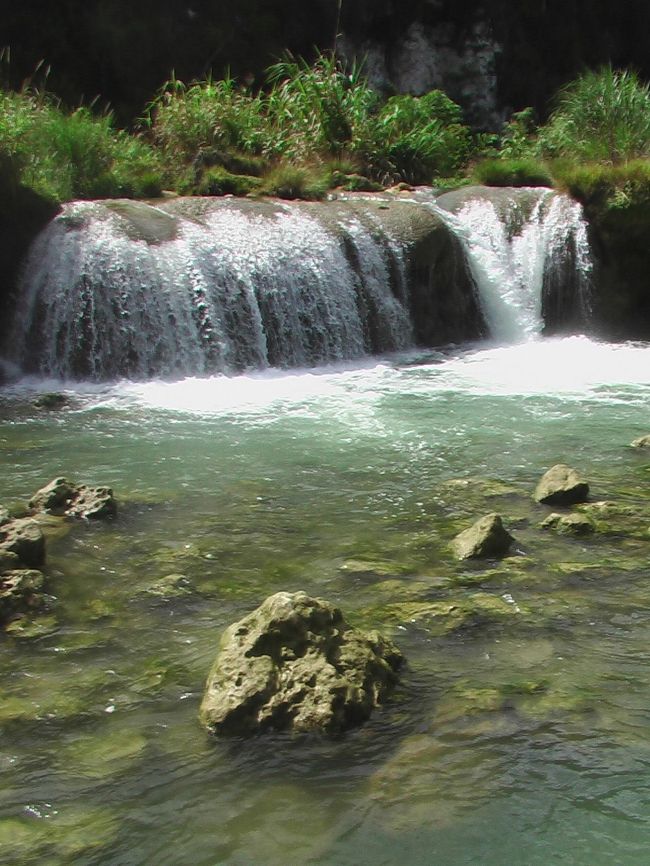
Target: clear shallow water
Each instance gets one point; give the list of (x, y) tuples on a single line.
[(522, 741)]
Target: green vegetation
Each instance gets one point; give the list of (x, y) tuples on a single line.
[(63, 155), (313, 127)]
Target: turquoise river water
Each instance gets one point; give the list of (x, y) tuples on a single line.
[(521, 738)]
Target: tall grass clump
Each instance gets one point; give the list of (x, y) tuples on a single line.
[(186, 119), (415, 139), (65, 155), (602, 116), (316, 110)]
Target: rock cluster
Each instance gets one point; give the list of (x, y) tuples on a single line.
[(295, 664), (22, 541)]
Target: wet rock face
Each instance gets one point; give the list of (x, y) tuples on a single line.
[(65, 499), (295, 664), (561, 485), (485, 538)]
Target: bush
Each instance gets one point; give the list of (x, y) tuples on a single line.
[(185, 120), (316, 110), (219, 181), (73, 155), (295, 182), (512, 172), (606, 187), (603, 116), (414, 139)]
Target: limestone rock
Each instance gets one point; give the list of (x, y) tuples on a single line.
[(485, 538), (25, 539), (20, 591), (66, 499), (569, 524), (561, 485), (294, 663), (641, 442)]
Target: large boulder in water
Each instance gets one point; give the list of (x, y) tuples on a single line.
[(561, 485), (20, 591), (66, 499), (485, 538), (295, 664)]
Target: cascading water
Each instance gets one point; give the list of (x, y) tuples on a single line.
[(530, 254), (195, 287), (223, 290)]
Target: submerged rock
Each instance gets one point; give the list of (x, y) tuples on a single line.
[(561, 485), (52, 401), (66, 499), (294, 663), (485, 538), (641, 442), (569, 524), (169, 587), (455, 614)]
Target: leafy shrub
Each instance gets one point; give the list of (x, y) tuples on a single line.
[(518, 137), (512, 172), (603, 116)]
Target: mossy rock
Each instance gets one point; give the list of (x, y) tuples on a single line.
[(618, 518), (452, 615), (169, 588), (569, 524), (103, 755)]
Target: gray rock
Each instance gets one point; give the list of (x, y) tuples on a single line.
[(561, 485), (25, 538), (485, 538), (641, 442), (294, 663), (569, 524), (20, 591), (67, 499), (170, 587)]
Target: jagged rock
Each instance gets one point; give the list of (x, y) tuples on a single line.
[(5, 517), (568, 524), (641, 442), (561, 485), (20, 591), (485, 538), (25, 539), (66, 499), (294, 663)]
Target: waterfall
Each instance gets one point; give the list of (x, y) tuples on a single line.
[(125, 289), (193, 287), (528, 256)]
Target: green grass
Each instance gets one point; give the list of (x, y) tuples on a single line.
[(512, 172)]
